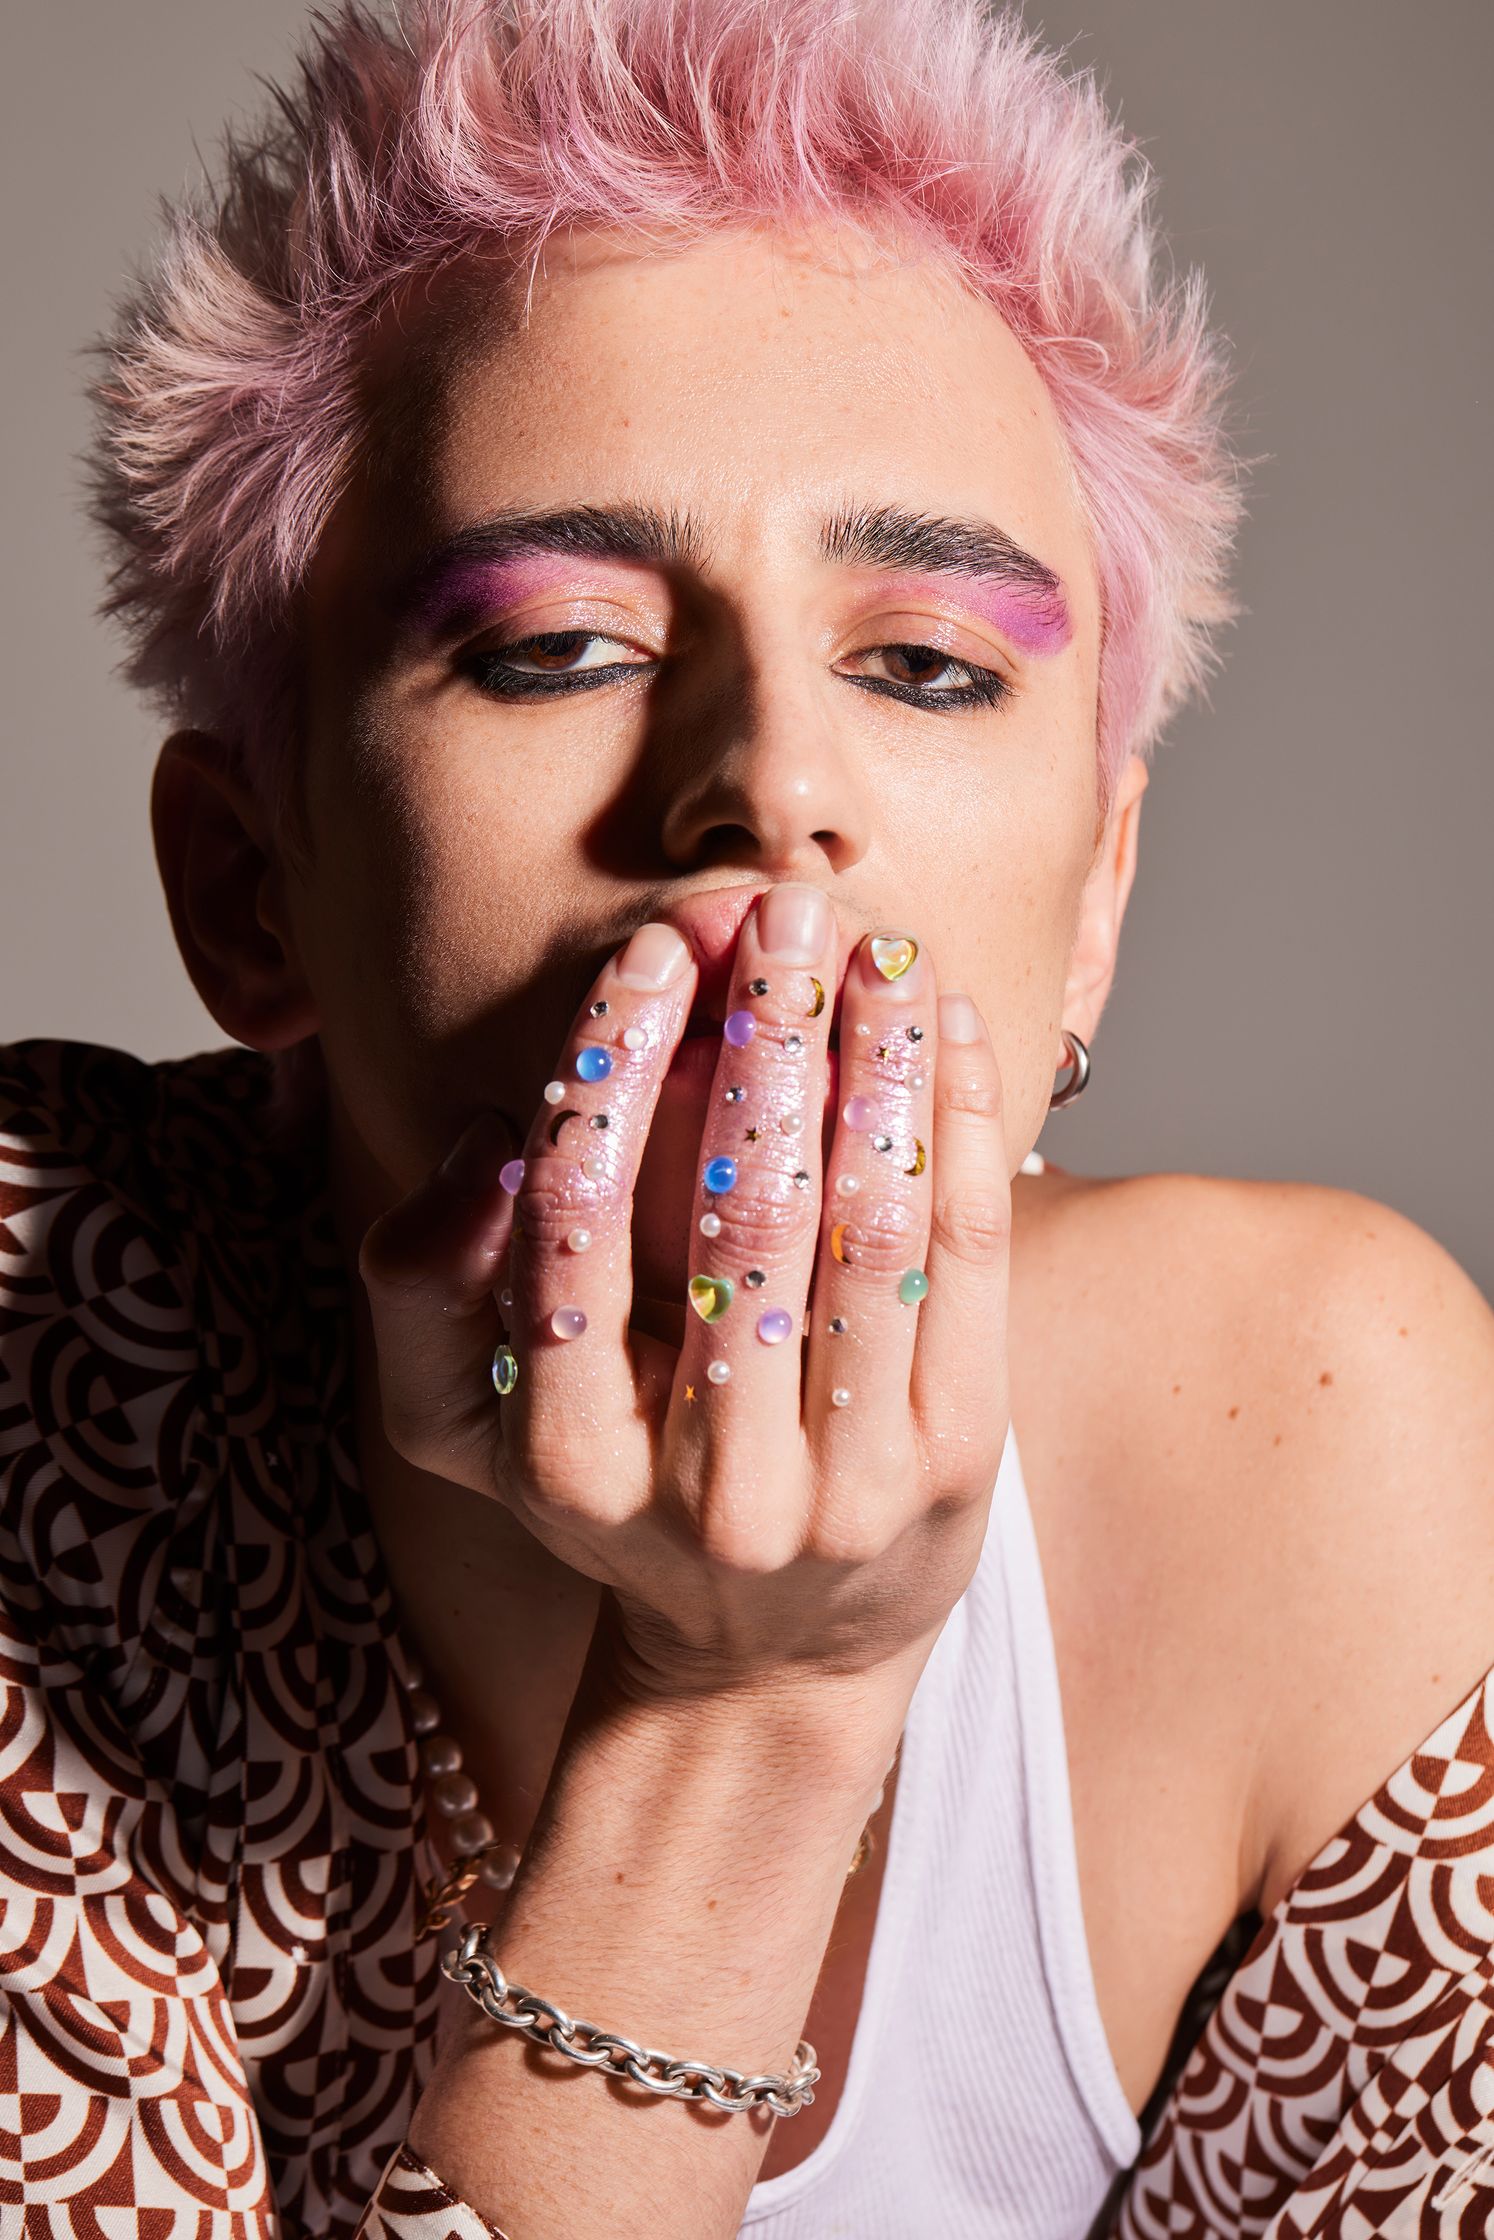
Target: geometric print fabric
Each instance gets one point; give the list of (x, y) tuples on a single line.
[(215, 2018)]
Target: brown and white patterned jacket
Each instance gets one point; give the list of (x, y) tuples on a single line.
[(212, 2001)]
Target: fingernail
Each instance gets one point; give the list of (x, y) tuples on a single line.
[(793, 924), (654, 958), (470, 1162), (890, 964), (959, 1021)]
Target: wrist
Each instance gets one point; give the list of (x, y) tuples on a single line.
[(824, 1725)]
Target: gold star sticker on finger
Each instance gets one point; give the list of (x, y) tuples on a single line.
[(689, 1392), (752, 1135), (881, 1049)]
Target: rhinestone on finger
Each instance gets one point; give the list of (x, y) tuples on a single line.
[(505, 1371), (600, 1008), (735, 1093)]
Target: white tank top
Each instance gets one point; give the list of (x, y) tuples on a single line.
[(980, 2098)]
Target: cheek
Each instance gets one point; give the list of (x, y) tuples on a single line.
[(999, 889), (434, 906)]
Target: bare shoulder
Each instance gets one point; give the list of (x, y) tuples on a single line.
[(1273, 1408)]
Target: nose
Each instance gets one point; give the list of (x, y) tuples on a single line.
[(768, 782)]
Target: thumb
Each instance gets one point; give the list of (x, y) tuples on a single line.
[(431, 1266)]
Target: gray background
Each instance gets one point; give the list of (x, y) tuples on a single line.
[(1303, 981)]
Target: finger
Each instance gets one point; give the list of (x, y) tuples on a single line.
[(959, 1372), (870, 1280), (429, 1265), (571, 1271), (758, 1184)]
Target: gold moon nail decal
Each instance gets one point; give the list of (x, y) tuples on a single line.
[(892, 953), (838, 1243), (559, 1122), (819, 998), (918, 1157)]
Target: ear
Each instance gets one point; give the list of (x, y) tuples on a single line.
[(225, 891), (1103, 906)]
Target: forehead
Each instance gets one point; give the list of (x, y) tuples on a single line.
[(749, 378)]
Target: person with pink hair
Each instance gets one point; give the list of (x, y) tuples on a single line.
[(665, 533)]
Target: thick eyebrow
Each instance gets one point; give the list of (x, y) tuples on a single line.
[(883, 537)]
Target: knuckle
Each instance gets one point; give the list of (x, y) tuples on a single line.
[(732, 1537), (973, 1091), (847, 1544), (876, 1241), (764, 1216), (973, 1225), (388, 1258), (552, 1200)]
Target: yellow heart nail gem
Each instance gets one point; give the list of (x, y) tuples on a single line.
[(892, 953), (710, 1296)]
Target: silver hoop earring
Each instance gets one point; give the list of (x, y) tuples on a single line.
[(1078, 1079)]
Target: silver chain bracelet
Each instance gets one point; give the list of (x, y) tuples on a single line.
[(470, 1964)]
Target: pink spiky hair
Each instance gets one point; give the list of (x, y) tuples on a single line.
[(229, 417)]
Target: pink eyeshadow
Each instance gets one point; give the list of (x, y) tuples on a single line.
[(468, 589), (1035, 619)]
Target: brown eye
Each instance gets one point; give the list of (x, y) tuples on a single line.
[(545, 664), (913, 669)]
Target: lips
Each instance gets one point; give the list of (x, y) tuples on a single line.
[(712, 921)]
